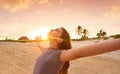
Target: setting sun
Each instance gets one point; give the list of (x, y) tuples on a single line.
[(42, 32)]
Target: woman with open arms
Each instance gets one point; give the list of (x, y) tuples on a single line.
[(55, 59)]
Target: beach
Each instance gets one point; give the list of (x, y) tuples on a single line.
[(19, 58)]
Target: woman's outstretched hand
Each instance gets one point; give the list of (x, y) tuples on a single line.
[(38, 40)]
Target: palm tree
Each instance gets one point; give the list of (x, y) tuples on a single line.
[(85, 34), (104, 34), (101, 34), (79, 30), (82, 32)]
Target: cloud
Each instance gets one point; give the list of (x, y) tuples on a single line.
[(14, 5), (61, 1), (44, 1), (114, 13)]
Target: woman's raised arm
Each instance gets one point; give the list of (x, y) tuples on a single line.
[(90, 50), (39, 45)]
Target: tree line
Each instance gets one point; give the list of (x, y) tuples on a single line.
[(83, 33)]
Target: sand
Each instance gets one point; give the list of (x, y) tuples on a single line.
[(19, 58)]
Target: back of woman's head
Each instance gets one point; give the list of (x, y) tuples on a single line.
[(65, 45)]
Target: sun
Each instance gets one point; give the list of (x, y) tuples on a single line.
[(42, 32)]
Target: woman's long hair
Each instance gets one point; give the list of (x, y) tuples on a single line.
[(65, 45)]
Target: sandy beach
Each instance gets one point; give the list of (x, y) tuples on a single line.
[(19, 58)]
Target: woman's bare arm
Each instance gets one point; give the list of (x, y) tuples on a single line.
[(40, 47), (90, 50), (38, 44)]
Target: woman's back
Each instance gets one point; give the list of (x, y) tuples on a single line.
[(49, 62)]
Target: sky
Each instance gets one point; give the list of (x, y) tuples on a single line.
[(37, 17)]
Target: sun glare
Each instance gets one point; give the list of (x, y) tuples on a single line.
[(43, 33)]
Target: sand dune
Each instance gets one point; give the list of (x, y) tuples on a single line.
[(19, 58)]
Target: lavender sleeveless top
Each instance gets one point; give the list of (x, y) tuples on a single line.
[(48, 63)]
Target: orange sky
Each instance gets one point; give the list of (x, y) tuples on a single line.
[(29, 17)]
